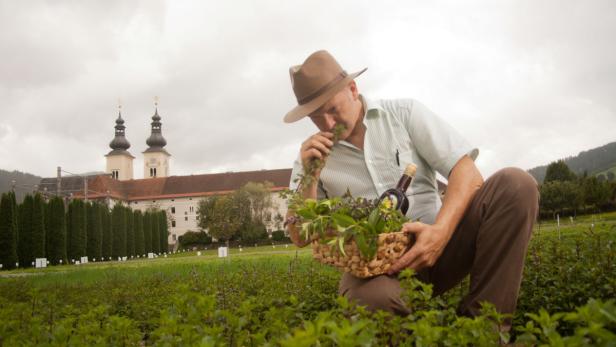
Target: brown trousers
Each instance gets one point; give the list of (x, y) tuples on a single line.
[(490, 244)]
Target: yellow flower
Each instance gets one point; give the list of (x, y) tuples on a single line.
[(388, 202)]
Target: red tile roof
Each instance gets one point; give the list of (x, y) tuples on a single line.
[(101, 186)]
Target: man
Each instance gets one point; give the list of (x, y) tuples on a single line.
[(480, 228)]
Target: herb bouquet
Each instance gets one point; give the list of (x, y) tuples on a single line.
[(357, 235)]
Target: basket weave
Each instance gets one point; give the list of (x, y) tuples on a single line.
[(391, 246)]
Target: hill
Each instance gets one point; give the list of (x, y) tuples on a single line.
[(24, 182), (594, 161)]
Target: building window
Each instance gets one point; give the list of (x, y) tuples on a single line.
[(173, 224), (174, 237), (192, 209), (186, 218), (115, 174), (189, 198), (172, 209), (152, 172), (185, 213)]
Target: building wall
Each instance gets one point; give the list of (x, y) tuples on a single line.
[(122, 163), (158, 160), (182, 213)]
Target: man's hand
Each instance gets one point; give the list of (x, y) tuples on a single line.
[(430, 241), (316, 146)]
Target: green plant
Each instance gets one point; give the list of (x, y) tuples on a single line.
[(336, 221)]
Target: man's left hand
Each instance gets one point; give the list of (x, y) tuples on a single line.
[(430, 241)]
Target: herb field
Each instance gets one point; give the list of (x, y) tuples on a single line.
[(281, 297)]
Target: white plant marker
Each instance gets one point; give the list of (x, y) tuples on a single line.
[(199, 254), (150, 255), (41, 262)]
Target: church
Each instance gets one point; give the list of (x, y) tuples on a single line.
[(177, 195)]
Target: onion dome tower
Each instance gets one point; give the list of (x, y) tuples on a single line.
[(155, 157), (119, 160)]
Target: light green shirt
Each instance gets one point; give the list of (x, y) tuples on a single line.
[(411, 130)]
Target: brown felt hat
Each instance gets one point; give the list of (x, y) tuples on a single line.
[(316, 81)]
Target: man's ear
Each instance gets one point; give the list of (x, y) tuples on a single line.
[(354, 91)]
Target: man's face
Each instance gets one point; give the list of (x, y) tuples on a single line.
[(343, 108)]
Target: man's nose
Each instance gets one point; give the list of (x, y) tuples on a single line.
[(330, 122)]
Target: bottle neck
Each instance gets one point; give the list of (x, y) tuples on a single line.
[(404, 183)]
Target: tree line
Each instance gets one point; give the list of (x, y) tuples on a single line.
[(47, 229), (594, 160), (565, 193)]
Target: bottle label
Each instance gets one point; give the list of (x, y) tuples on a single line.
[(392, 201)]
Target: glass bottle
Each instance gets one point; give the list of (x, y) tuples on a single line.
[(397, 195)]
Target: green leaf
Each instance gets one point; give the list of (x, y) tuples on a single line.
[(374, 217), (306, 214), (343, 220), (341, 245)]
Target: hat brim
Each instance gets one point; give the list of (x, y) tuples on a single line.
[(301, 111)]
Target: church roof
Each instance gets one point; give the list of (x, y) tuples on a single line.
[(119, 144), (156, 141), (102, 186)]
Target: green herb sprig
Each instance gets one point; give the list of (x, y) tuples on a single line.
[(307, 178)]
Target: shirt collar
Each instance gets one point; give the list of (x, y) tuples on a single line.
[(370, 105)]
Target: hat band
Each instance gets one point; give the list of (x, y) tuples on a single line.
[(321, 90)]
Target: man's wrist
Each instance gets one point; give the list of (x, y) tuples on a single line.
[(445, 228)]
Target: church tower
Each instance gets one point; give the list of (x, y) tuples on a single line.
[(119, 160), (156, 158)]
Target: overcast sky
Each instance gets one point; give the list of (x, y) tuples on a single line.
[(527, 82)]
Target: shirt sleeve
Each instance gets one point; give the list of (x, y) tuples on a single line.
[(436, 141)]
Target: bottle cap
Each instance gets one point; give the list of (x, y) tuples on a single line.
[(410, 170)]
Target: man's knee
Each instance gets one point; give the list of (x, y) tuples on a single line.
[(519, 189), (379, 293)]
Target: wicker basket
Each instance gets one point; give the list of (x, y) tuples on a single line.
[(390, 247)]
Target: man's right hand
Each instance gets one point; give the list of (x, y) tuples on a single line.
[(316, 146)]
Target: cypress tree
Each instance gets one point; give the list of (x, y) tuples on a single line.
[(138, 225), (107, 239), (8, 232), (130, 232), (56, 249), (118, 222), (46, 209), (77, 222), (24, 242), (155, 233), (164, 232), (69, 226), (94, 231), (38, 227), (147, 232)]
